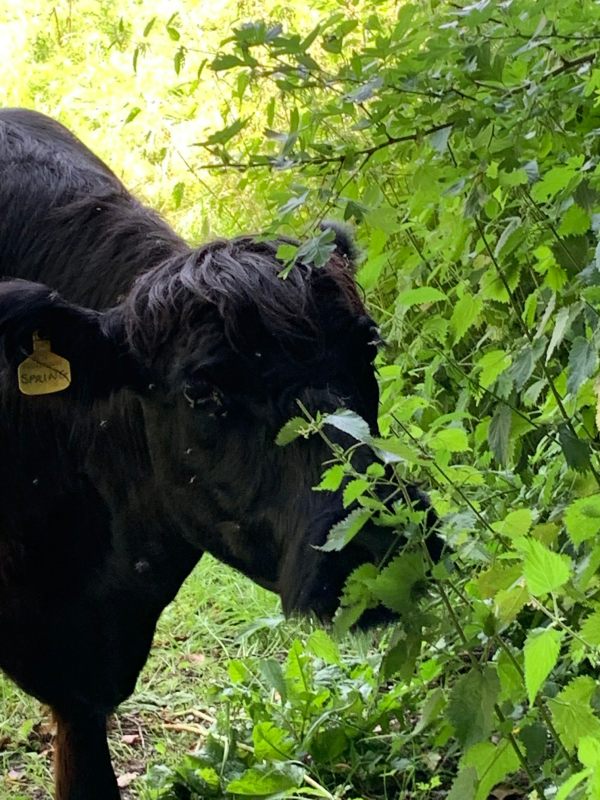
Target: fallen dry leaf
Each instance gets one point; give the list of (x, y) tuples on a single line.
[(127, 778), (130, 738)]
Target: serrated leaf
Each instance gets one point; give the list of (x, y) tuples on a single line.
[(590, 629), (491, 365), (293, 428), (493, 763), (575, 450), (583, 362), (499, 433), (465, 315), (354, 490), (575, 221), (420, 296), (332, 479), (545, 571), (471, 706), (582, 518), (351, 423), (395, 583), (572, 714), (516, 523), (345, 530), (542, 648)]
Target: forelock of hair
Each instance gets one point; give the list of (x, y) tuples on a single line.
[(239, 279)]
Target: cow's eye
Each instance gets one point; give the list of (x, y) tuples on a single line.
[(205, 395)]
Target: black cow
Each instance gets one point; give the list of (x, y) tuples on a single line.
[(184, 364)]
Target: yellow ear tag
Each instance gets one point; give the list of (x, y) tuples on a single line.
[(43, 372)]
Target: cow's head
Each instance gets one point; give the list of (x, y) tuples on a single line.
[(220, 350)]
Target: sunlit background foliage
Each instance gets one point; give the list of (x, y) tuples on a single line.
[(461, 141)]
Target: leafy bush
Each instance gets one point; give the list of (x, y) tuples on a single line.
[(462, 140)]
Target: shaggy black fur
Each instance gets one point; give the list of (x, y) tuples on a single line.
[(185, 364)]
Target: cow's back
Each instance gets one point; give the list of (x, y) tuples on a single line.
[(66, 219)]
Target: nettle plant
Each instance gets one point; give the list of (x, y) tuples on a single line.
[(462, 141)]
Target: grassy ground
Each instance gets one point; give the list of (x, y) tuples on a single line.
[(218, 615)]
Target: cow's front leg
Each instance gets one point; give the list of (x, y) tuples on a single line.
[(82, 761)]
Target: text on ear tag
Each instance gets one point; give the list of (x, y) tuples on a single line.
[(43, 372)]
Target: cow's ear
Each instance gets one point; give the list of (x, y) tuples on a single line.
[(88, 357)]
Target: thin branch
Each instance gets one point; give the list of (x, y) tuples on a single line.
[(317, 161)]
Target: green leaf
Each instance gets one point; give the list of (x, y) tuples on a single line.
[(516, 523), (493, 763), (267, 779), (466, 313), (271, 742), (575, 221), (582, 518), (293, 428), (590, 629), (177, 193), (542, 648), (420, 296), (556, 180), (572, 715), (588, 752), (583, 362), (491, 365), (510, 238), (563, 318), (227, 133), (499, 433), (224, 61), (354, 489), (509, 602), (395, 584), (575, 451), (349, 422), (566, 789), (332, 479), (464, 785), (471, 706), (439, 139), (454, 440), (545, 571), (132, 115), (431, 709), (321, 645), (345, 530)]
